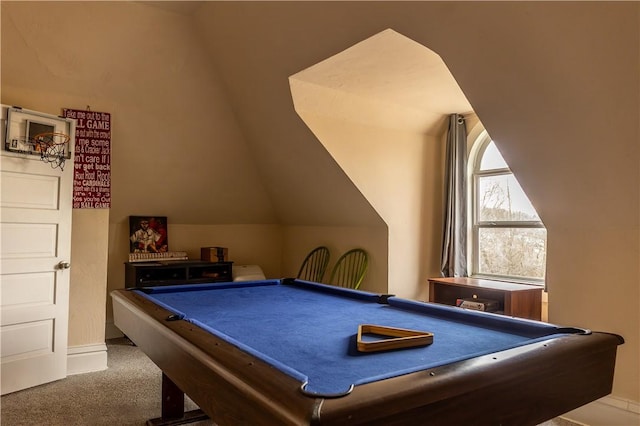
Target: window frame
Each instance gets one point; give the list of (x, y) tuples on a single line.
[(477, 152)]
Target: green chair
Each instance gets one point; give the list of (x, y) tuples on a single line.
[(314, 265), (350, 269)]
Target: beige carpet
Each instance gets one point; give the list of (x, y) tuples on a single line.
[(127, 393)]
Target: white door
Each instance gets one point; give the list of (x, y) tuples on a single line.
[(35, 234)]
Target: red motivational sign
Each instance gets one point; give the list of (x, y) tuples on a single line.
[(92, 159)]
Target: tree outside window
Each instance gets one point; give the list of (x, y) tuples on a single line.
[(509, 241)]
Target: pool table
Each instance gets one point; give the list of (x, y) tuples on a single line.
[(285, 352)]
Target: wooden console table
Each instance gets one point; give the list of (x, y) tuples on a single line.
[(518, 300)]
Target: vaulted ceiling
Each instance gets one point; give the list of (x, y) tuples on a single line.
[(386, 80), (373, 75), (174, 72)]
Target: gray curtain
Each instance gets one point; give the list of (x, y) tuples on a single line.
[(454, 241)]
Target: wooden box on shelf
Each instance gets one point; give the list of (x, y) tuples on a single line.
[(214, 254)]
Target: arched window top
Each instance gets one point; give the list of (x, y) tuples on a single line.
[(503, 199), (491, 158)]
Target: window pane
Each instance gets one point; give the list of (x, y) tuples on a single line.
[(502, 198), (517, 252), (492, 159)]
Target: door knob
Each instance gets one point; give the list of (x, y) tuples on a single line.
[(63, 265)]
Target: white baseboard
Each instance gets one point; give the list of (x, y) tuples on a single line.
[(86, 359), (607, 411)]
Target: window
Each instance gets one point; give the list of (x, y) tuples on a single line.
[(508, 239)]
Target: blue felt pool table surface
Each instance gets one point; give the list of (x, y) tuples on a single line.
[(308, 330)]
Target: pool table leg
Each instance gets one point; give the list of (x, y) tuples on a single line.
[(173, 407)]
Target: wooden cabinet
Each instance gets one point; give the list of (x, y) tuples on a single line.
[(518, 300), (146, 274)]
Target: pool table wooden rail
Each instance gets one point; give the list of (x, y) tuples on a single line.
[(522, 386)]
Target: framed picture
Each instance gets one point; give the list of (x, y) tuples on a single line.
[(148, 234)]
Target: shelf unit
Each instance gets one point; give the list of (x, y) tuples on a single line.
[(147, 274), (518, 300)]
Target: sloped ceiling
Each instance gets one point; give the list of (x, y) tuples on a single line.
[(151, 68), (257, 46), (176, 149), (387, 81)]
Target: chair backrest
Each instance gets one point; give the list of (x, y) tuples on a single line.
[(350, 268), (314, 265)]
